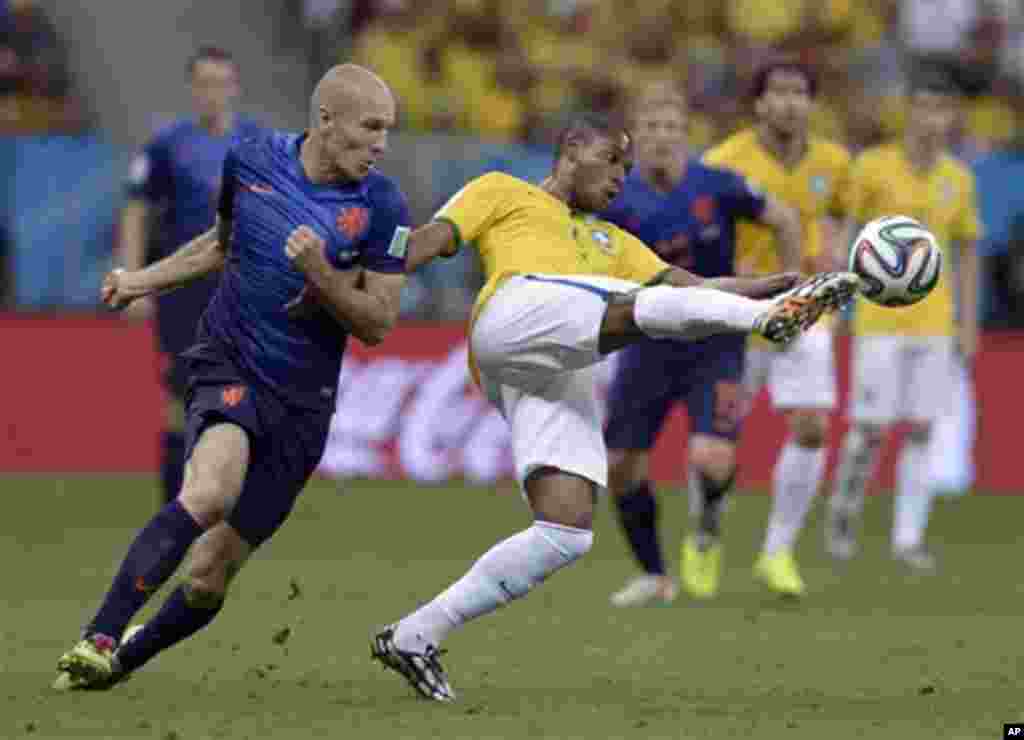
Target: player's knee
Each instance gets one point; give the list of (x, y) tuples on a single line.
[(809, 428), (919, 432), (714, 458), (205, 499), (625, 468)]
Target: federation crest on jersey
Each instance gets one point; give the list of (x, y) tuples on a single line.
[(819, 185), (703, 209), (352, 221), (603, 240)]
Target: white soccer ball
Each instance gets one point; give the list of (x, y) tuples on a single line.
[(897, 260)]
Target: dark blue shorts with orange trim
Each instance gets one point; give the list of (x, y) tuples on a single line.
[(285, 442), (653, 375)]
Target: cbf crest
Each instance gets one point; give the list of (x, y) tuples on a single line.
[(603, 240), (819, 185)]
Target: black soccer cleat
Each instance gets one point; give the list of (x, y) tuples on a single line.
[(423, 671)]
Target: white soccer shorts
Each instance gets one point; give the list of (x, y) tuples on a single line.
[(535, 344), (901, 378), (800, 376)]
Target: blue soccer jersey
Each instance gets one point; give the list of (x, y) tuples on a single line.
[(266, 195), (179, 173), (694, 225)]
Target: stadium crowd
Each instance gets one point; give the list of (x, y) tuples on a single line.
[(511, 70)]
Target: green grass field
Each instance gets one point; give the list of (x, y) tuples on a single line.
[(872, 652)]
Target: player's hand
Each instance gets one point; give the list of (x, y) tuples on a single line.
[(117, 292), (305, 249)]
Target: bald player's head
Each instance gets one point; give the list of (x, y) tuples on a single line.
[(351, 111)]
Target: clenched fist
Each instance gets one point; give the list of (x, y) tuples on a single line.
[(305, 249)]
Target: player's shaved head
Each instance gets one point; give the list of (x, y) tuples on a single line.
[(345, 86), (352, 111)]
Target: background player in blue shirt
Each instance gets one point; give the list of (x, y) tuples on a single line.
[(172, 198), (686, 212), (310, 239)]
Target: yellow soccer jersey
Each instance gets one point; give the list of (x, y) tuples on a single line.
[(520, 228), (814, 187), (883, 183)]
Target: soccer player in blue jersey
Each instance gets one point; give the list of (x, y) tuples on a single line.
[(172, 198), (310, 242), (687, 213)]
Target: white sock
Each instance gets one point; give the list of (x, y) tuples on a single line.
[(693, 313), (856, 464), (797, 476), (505, 572), (913, 502)]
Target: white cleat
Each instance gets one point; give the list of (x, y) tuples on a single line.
[(645, 590), (918, 559)]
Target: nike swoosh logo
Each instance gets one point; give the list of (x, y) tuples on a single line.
[(262, 189)]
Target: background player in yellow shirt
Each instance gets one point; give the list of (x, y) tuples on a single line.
[(903, 360), (563, 290), (808, 173)]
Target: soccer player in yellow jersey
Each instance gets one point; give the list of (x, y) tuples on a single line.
[(903, 359), (808, 173), (563, 290)]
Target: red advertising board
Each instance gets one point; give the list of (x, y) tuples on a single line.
[(82, 394)]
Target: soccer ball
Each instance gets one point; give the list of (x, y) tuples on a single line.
[(897, 260)]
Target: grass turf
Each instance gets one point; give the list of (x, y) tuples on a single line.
[(871, 652)]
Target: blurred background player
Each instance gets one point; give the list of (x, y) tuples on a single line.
[(904, 359), (687, 213), (172, 198), (808, 173)]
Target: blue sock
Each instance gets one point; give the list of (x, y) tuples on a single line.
[(638, 513), (172, 464), (154, 555), (176, 620)]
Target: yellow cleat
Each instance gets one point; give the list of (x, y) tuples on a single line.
[(88, 665), (700, 569), (780, 574)]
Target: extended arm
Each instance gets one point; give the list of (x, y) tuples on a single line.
[(436, 239), (200, 257)]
